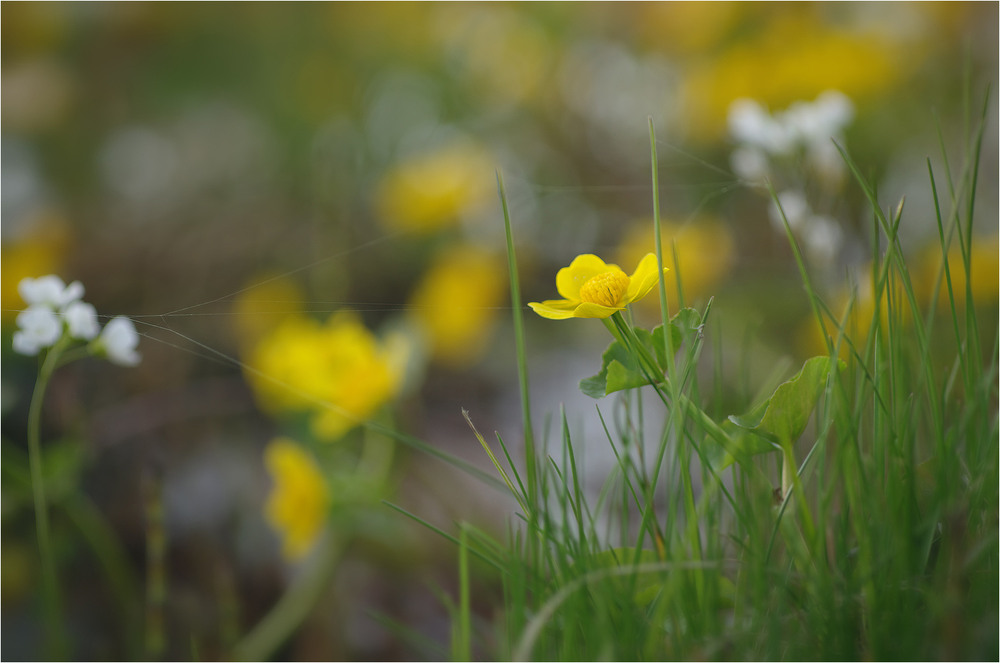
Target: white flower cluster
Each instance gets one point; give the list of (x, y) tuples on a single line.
[(771, 146), (803, 128), (821, 234), (55, 309)]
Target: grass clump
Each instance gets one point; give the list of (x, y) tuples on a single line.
[(850, 513)]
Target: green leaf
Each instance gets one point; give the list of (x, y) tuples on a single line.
[(792, 403), (741, 446), (778, 420), (619, 369), (622, 377), (597, 385)]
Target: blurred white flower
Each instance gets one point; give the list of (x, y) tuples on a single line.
[(807, 131), (823, 238), (118, 342), (834, 111), (750, 164), (750, 123), (747, 121), (49, 291), (806, 124), (55, 308), (795, 207), (38, 327), (81, 318)]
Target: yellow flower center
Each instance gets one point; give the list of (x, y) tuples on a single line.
[(605, 289)]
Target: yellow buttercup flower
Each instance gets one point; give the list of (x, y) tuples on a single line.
[(433, 191), (260, 308), (983, 272), (796, 55), (43, 251), (456, 303), (298, 504), (338, 372), (595, 289)]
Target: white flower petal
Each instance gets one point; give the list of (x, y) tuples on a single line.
[(82, 320), (49, 290), (119, 340), (38, 327), (72, 293)]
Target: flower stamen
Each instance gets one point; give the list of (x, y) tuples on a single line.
[(605, 289)]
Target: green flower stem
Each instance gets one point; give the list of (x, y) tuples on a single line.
[(791, 484), (375, 462), (651, 370), (615, 329), (55, 641), (625, 335), (72, 354), (293, 607)]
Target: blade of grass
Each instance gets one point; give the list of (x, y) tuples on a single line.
[(462, 638), (522, 357), (493, 459)]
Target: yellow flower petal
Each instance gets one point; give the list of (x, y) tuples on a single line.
[(555, 309), (456, 303), (338, 372), (298, 503), (595, 289), (584, 267), (592, 310), (643, 279)]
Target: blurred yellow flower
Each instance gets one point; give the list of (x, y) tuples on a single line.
[(41, 252), (299, 501), (984, 272), (456, 303), (705, 253), (433, 191), (984, 285), (595, 289), (688, 28), (260, 308), (797, 56), (337, 372)]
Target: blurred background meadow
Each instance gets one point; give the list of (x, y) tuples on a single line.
[(297, 205)]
